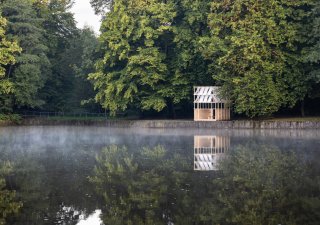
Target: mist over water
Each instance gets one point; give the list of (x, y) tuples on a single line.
[(59, 173)]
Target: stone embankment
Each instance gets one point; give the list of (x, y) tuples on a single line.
[(237, 124)]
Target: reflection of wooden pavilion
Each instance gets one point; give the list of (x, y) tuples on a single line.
[(208, 106), (209, 150)]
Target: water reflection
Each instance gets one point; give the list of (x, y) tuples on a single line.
[(50, 193), (262, 184), (257, 185), (9, 204), (265, 177), (209, 151), (141, 188)]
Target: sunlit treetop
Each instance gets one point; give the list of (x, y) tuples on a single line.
[(7, 48)]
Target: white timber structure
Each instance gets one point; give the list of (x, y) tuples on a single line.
[(208, 106), (209, 151)]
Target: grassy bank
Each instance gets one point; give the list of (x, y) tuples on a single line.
[(10, 119)]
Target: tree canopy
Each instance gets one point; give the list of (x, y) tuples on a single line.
[(40, 50), (312, 51), (154, 52), (7, 57), (150, 54), (256, 47)]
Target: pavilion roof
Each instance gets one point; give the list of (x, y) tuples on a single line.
[(207, 94)]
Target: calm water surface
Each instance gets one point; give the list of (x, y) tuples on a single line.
[(96, 175)]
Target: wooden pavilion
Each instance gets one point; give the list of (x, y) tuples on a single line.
[(209, 151), (208, 106)]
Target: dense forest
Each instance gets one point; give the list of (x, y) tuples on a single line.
[(265, 54), (45, 58)]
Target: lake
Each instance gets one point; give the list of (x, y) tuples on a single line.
[(95, 175)]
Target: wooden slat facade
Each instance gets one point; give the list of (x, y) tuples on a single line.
[(208, 106)]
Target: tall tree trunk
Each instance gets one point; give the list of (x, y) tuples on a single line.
[(302, 108), (172, 111), (10, 71)]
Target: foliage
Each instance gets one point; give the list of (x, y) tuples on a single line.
[(32, 65), (133, 67), (265, 55), (46, 72), (10, 118), (68, 86), (100, 6), (71, 54), (85, 44), (8, 48), (190, 67), (254, 49), (60, 30), (150, 54), (7, 57), (256, 53), (312, 51)]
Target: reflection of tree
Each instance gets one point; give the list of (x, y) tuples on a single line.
[(138, 189), (8, 203), (50, 193), (262, 185), (256, 185)]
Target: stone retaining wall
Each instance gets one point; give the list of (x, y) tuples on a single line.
[(238, 124)]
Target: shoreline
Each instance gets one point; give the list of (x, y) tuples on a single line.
[(171, 124)]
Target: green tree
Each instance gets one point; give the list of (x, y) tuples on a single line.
[(256, 53), (187, 65), (151, 57), (60, 32), (72, 66), (87, 43), (312, 52), (32, 65), (134, 44), (7, 57)]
